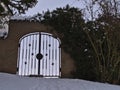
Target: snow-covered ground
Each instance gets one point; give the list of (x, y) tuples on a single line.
[(14, 82)]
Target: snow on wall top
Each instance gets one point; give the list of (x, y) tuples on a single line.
[(25, 18)]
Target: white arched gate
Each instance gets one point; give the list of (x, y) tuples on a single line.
[(39, 54)]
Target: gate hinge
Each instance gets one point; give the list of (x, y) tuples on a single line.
[(17, 68), (19, 45), (60, 69)]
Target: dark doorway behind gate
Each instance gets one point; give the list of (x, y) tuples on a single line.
[(39, 54)]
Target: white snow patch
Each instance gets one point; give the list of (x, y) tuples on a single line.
[(14, 82), (18, 17)]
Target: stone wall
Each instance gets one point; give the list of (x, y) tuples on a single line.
[(9, 47)]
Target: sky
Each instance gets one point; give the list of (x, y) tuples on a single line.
[(44, 5)]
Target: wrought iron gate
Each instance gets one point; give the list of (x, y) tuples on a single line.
[(39, 54)]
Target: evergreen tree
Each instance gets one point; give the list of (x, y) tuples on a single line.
[(16, 6)]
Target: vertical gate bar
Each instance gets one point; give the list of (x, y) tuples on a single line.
[(30, 54), (42, 54), (52, 56), (24, 57), (50, 70), (28, 62), (56, 60), (21, 57), (46, 54), (48, 61), (57, 47), (59, 60), (35, 68), (31, 38), (30, 51), (54, 66), (55, 57), (49, 54), (27, 48), (22, 70), (46, 57), (42, 62), (36, 52), (58, 68), (39, 53), (21, 51), (33, 57), (27, 56)]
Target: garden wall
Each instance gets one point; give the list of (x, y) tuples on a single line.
[(9, 47)]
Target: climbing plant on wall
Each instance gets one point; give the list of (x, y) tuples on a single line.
[(69, 24)]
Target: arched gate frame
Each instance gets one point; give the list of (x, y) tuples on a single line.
[(39, 54)]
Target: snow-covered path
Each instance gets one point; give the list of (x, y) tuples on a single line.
[(14, 82)]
